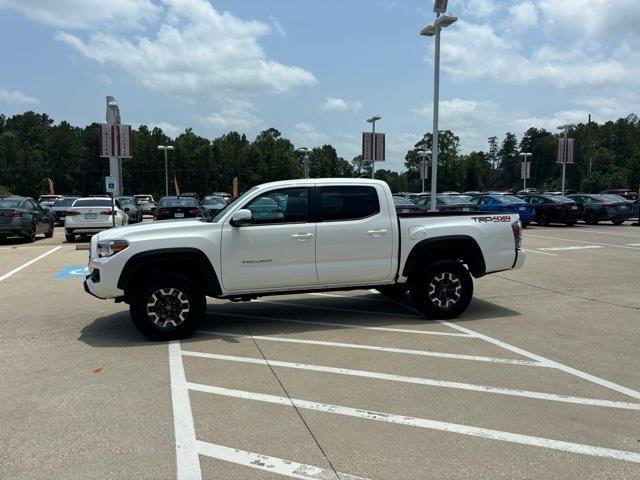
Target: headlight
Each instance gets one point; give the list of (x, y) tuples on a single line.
[(109, 248)]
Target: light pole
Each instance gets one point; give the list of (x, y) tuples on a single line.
[(566, 128), (305, 151), (525, 170), (423, 165), (166, 167), (373, 121), (443, 20)]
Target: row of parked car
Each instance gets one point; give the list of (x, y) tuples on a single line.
[(541, 208)]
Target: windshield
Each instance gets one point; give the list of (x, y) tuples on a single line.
[(65, 202), (9, 203), (509, 199), (238, 200), (401, 201), (214, 201), (178, 202), (92, 202), (559, 199), (125, 200)]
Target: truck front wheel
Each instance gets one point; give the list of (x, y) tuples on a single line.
[(167, 307), (443, 290)]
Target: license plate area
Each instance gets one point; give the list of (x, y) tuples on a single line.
[(90, 216), (179, 215)]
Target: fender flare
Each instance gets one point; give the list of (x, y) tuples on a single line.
[(450, 246)]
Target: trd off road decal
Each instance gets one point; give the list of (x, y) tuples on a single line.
[(491, 218)]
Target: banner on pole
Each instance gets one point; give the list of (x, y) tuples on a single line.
[(175, 184), (116, 141), (373, 150), (52, 188), (424, 170), (566, 150), (525, 170)]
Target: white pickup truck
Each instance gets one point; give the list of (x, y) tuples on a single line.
[(299, 236)]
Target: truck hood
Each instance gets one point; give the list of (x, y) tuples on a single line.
[(159, 229)]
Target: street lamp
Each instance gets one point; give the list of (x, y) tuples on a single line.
[(566, 128), (524, 170), (166, 167), (443, 20), (305, 151), (423, 165), (373, 121)]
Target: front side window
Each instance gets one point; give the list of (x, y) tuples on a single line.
[(288, 205), (348, 203)]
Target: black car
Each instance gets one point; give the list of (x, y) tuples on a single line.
[(24, 217), (623, 192), (60, 207), (554, 209), (177, 207), (598, 208), (405, 206), (213, 204)]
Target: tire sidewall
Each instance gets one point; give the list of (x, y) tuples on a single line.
[(420, 285), (542, 219), (140, 297)]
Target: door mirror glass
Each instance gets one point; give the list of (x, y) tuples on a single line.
[(242, 217)]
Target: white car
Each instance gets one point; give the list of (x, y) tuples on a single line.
[(92, 215)]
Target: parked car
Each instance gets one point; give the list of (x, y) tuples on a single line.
[(328, 234), (554, 209), (147, 203), (506, 203), (597, 208), (177, 207), (448, 203), (92, 215), (191, 194), (131, 208), (24, 217), (405, 206), (635, 204), (47, 201), (60, 207), (213, 204), (527, 191), (623, 192)]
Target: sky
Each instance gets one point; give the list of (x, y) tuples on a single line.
[(316, 70)]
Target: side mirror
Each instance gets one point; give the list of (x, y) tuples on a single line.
[(241, 218)]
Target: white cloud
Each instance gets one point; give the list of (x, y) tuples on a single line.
[(277, 25), (168, 128), (85, 13), (479, 8), (234, 115), (340, 105), (15, 97), (198, 53), (523, 15)]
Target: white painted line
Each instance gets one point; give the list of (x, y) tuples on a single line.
[(424, 353), (423, 381), (188, 463), (336, 309), (580, 241), (634, 244), (541, 253), (30, 262), (551, 363), (266, 463), (426, 424), (560, 249), (347, 325), (328, 295)]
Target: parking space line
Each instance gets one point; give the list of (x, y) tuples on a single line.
[(348, 325), (188, 463), (30, 262), (453, 356), (274, 465), (423, 381), (424, 423), (580, 241), (541, 253), (561, 249), (552, 363)]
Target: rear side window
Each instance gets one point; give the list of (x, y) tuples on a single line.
[(348, 203)]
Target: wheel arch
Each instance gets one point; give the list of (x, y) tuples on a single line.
[(190, 262), (462, 248)]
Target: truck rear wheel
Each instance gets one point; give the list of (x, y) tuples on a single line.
[(443, 290), (167, 307)]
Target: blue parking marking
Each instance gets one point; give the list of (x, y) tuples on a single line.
[(72, 271)]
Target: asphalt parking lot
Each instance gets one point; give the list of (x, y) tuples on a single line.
[(540, 378)]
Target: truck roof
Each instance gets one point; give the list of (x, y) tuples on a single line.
[(324, 181)]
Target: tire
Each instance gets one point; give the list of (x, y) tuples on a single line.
[(427, 289), (572, 223), (31, 236), (70, 237), (590, 218), (176, 293), (542, 219), (49, 232), (393, 291), (617, 221)]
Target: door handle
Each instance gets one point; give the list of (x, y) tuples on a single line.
[(376, 233), (301, 237)]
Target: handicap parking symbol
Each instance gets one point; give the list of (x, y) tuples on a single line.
[(72, 271)]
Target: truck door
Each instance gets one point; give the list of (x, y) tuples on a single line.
[(355, 235)]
